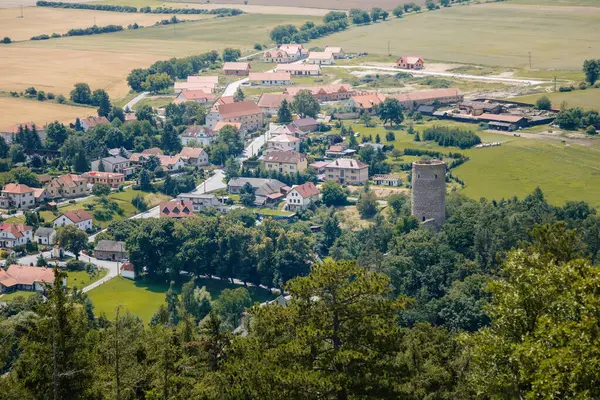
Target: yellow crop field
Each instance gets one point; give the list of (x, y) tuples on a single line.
[(45, 20), (15, 111)]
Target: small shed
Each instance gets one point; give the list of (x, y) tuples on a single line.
[(110, 250), (387, 180), (128, 271)]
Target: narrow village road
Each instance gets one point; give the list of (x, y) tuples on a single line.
[(529, 82), (135, 100)]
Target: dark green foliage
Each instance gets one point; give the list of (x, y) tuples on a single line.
[(223, 12), (576, 118), (591, 68), (359, 17), (334, 16), (230, 54), (333, 194), (284, 114), (86, 6), (6, 40), (291, 34), (81, 94), (445, 136), (543, 103)]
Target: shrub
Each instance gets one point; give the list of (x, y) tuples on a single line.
[(40, 37), (6, 40), (582, 85), (445, 136), (258, 46), (591, 130), (75, 265), (543, 103), (565, 89)]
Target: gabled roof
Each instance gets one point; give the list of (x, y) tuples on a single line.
[(306, 190), (197, 95), (103, 174), (68, 180), (298, 67), (114, 160), (276, 54), (203, 79), (207, 87), (273, 100), (501, 117), (291, 47), (78, 216), (236, 66), (110, 245), (346, 163), (127, 267), (334, 50), (191, 152), (269, 76), (93, 121), (320, 90), (368, 100), (44, 232), (176, 208), (17, 230), (239, 109), (26, 275), (411, 59), (288, 157), (225, 100), (198, 131), (17, 188), (304, 122), (168, 160), (262, 186), (320, 55), (283, 138)]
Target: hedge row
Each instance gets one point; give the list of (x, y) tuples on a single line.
[(85, 6), (169, 10)]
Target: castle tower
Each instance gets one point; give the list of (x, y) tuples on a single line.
[(429, 192)]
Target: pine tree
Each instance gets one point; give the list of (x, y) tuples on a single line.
[(80, 163), (239, 95), (284, 115)]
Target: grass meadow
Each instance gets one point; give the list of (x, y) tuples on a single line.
[(516, 167), (143, 299), (587, 99), (499, 34)]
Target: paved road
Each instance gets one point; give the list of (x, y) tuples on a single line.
[(530, 82), (135, 100)]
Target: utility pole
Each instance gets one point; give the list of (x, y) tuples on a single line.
[(529, 60), (94, 21), (389, 51), (555, 83)]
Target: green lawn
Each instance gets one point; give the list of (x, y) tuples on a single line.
[(12, 296), (518, 166), (155, 101), (81, 279), (498, 34), (272, 212), (588, 99), (143, 299)]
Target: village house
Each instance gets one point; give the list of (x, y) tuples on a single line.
[(413, 100), (90, 122), (283, 142), (177, 209), (347, 170), (202, 201), (194, 156), (201, 135), (301, 196), (387, 180), (8, 134), (286, 53), (179, 87), (45, 236), (337, 52), (339, 150), (271, 102), (235, 125), (270, 78), (410, 62), (128, 271), (236, 68), (110, 250), (16, 195), (111, 179), (267, 191), (198, 96), (319, 166), (365, 102), (40, 194), (80, 218), (117, 164), (293, 48), (300, 69), (26, 278), (335, 92), (247, 113), (320, 58), (306, 125), (285, 162), (12, 235), (69, 186), (171, 163)]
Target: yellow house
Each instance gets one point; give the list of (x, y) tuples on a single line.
[(286, 162)]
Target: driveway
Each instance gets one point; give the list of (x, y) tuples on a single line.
[(135, 100)]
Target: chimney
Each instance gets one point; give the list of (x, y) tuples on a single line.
[(336, 162)]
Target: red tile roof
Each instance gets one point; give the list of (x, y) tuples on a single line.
[(78, 215), (411, 59), (307, 189), (288, 157), (93, 121), (17, 188), (176, 208), (127, 267), (273, 100), (26, 275), (191, 152), (320, 90), (269, 76), (239, 109), (197, 95), (222, 124), (16, 229), (368, 100)]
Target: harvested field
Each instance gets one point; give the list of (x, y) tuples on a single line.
[(44, 20), (16, 111), (103, 61), (487, 34)]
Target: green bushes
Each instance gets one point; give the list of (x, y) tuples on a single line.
[(94, 30), (168, 10), (445, 136), (85, 6)]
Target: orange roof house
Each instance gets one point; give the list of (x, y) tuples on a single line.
[(410, 62), (220, 125), (366, 101), (22, 277), (177, 208)]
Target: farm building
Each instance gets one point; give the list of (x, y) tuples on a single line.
[(270, 78), (110, 250), (428, 97), (270, 102), (236, 68), (300, 69), (387, 180), (325, 93), (320, 58)]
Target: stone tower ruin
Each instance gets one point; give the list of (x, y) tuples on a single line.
[(429, 192)]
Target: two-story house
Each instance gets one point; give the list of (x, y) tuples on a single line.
[(16, 195), (111, 179), (117, 164), (285, 162), (247, 113), (69, 185), (12, 235), (194, 156), (283, 142), (301, 196), (201, 135), (347, 170)]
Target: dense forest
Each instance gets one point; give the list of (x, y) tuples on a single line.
[(502, 302)]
